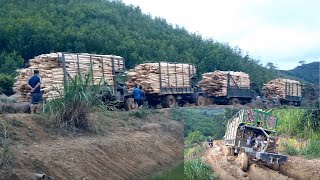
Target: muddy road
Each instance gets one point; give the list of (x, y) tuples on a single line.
[(228, 169)]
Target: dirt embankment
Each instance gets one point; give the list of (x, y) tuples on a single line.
[(130, 149), (227, 168)]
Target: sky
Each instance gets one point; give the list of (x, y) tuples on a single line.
[(283, 32)]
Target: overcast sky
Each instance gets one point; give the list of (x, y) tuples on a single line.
[(279, 31)]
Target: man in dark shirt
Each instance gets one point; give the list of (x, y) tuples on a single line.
[(35, 93), (137, 95)]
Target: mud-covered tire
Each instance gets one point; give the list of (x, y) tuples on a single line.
[(200, 100), (275, 167), (234, 101), (129, 104), (228, 152), (244, 161), (168, 101)]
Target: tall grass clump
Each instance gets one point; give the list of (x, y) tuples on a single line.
[(289, 120), (71, 110), (198, 170)]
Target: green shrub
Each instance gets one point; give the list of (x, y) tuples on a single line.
[(194, 137), (311, 149), (72, 110), (140, 113), (6, 83), (289, 148), (198, 170)]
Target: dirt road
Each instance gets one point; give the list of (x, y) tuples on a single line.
[(227, 168)]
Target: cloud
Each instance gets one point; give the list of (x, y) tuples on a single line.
[(271, 30)]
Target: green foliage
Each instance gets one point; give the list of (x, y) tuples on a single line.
[(289, 148), (5, 126), (173, 174), (9, 62), (194, 137), (6, 83), (208, 121), (306, 72), (198, 170), (110, 27), (310, 150), (141, 113), (72, 109), (298, 122)]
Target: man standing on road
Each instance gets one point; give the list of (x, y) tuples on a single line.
[(34, 84), (137, 95)]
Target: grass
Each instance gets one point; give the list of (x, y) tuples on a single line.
[(5, 127), (198, 170), (172, 174), (303, 124), (72, 109)]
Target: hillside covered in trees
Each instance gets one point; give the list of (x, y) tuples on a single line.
[(29, 28), (306, 72)]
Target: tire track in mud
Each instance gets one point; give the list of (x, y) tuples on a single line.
[(226, 167)]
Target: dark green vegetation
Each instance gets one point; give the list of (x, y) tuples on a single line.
[(197, 169), (172, 174), (306, 72), (30, 28), (303, 124), (208, 121)]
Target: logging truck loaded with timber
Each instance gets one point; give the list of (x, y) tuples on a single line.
[(283, 91), (249, 137), (57, 69), (168, 84), (227, 87)]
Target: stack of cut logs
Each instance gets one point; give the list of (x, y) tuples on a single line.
[(282, 87), (215, 83), (151, 75), (52, 71)]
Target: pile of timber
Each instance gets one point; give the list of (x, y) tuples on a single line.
[(215, 83), (51, 68), (153, 75), (282, 87)]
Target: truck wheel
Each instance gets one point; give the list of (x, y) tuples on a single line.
[(168, 101), (234, 101), (275, 167), (129, 104), (229, 153), (244, 161), (291, 103), (200, 101)]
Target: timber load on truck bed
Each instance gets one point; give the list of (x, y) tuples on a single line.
[(162, 78), (227, 87), (167, 83), (56, 69), (286, 90), (249, 136)]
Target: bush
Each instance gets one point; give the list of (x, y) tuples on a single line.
[(72, 110), (6, 83), (311, 149), (140, 113), (194, 137), (198, 170), (289, 148)]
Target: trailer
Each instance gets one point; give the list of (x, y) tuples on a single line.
[(117, 92), (172, 93), (284, 91), (235, 94), (249, 136)]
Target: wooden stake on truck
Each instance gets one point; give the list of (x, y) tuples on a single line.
[(167, 83)]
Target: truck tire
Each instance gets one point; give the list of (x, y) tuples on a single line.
[(234, 101), (244, 161), (168, 101), (200, 101), (275, 167), (129, 104)]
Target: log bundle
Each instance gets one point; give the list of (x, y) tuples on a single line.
[(151, 75), (215, 83), (282, 87), (99, 67)]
